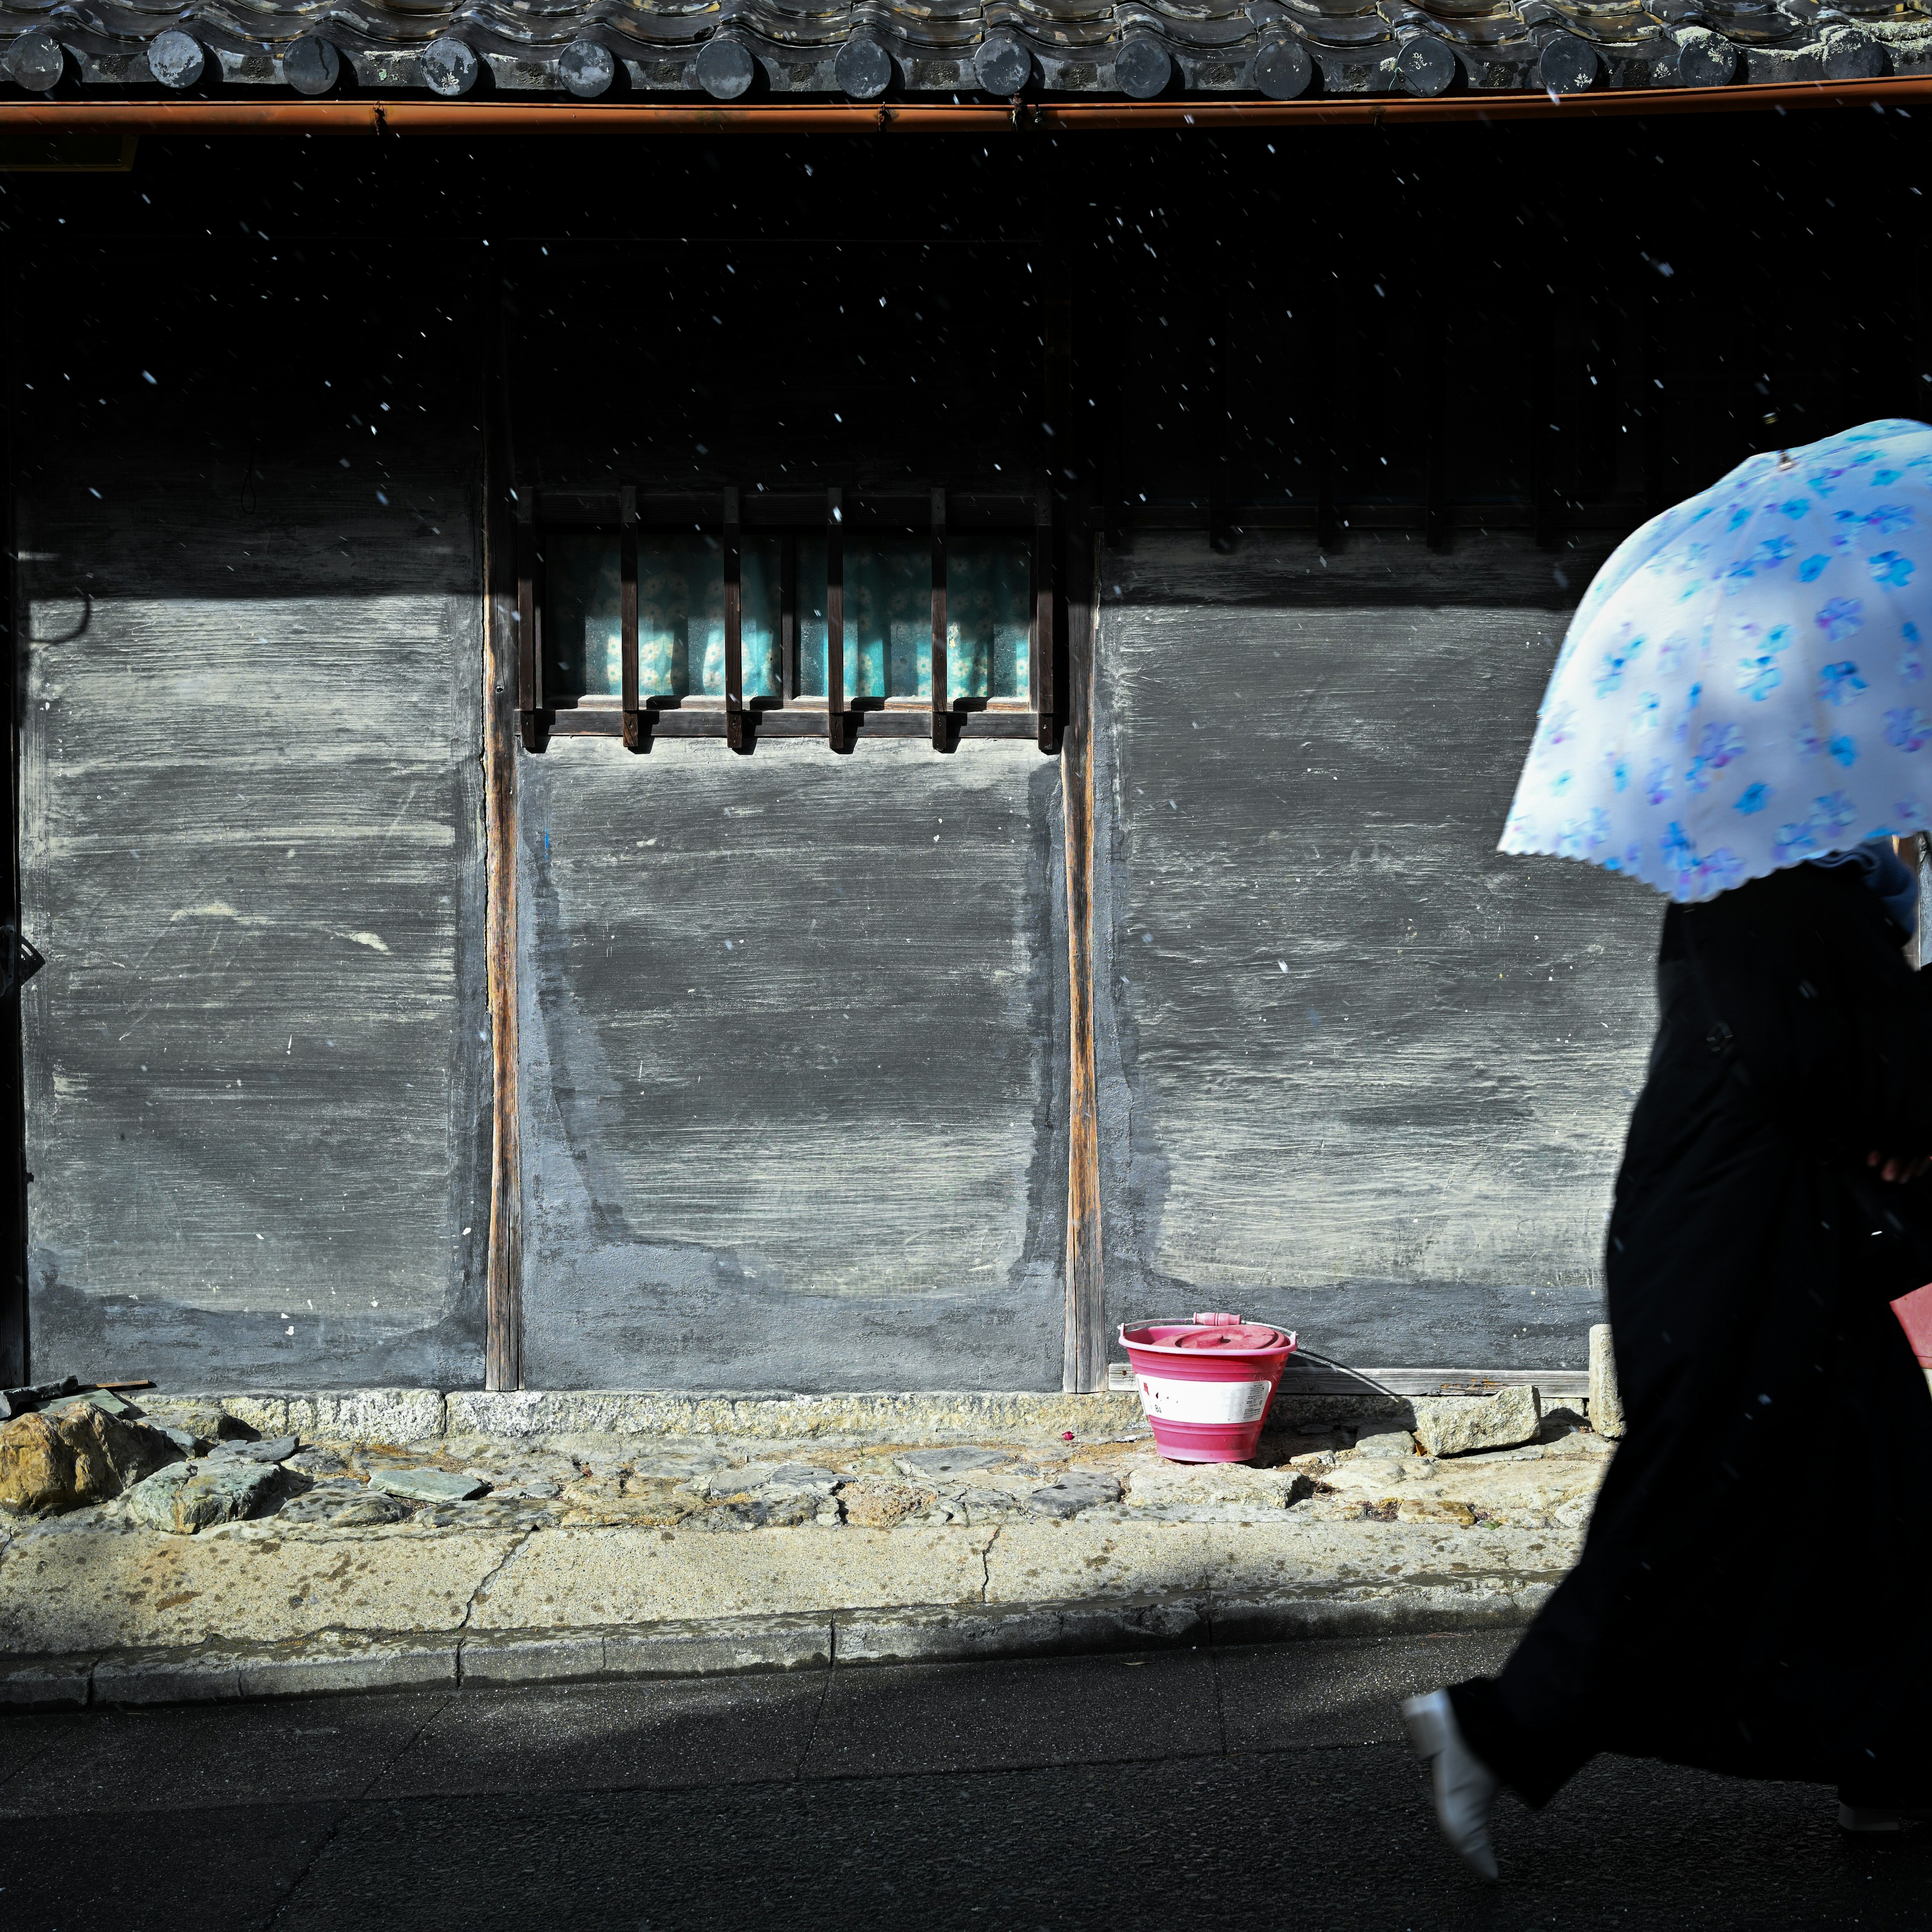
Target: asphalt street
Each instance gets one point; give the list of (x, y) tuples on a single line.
[(1265, 1788)]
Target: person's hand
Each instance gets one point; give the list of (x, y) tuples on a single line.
[(1898, 1167)]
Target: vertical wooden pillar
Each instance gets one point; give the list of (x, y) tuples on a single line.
[(503, 619), (1084, 1366), (1085, 1357), (15, 1336)]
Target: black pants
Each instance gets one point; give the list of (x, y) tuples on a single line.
[(1536, 1755)]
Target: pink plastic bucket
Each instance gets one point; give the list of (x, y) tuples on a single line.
[(1206, 1385)]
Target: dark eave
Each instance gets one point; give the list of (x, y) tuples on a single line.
[(897, 56)]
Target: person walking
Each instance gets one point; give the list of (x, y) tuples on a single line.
[(1755, 1587)]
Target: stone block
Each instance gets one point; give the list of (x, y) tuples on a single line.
[(1164, 1486), (874, 1505), (427, 1486), (935, 1636), (1384, 1438), (1606, 1407), (264, 1411), (45, 1683), (51, 1462), (935, 1417), (330, 1661), (1076, 1491), (719, 1646), (537, 1657), (186, 1497), (1458, 1425), (205, 1421), (367, 1415), (167, 1677)]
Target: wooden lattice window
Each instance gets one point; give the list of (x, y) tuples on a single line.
[(742, 614)]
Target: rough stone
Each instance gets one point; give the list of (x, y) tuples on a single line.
[(279, 1450), (1071, 1494), (950, 1462), (343, 1503), (49, 1463), (427, 1486), (316, 1462), (186, 1497), (760, 1477), (879, 1505), (1379, 1438), (206, 1421), (1606, 1406), (1459, 1425), (1168, 1486), (105, 1399)]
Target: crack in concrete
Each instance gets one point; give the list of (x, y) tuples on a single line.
[(824, 1692), (986, 1564), (483, 1584)]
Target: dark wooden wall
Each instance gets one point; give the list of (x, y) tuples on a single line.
[(1355, 1071), (255, 1062), (1361, 1073), (794, 1051)]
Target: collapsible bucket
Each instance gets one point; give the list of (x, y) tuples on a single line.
[(1206, 1385)]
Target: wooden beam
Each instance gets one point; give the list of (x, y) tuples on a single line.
[(503, 1350)]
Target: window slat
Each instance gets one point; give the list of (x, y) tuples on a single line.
[(627, 617), (834, 618), (734, 636), (940, 741)]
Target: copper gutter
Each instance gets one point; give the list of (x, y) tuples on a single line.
[(495, 117)]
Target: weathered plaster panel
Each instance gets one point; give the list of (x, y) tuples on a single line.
[(1360, 1072), (794, 1044), (256, 1078)]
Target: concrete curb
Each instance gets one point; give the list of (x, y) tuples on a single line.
[(722, 1646)]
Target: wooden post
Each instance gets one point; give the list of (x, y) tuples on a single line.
[(503, 621), (1084, 1369), (15, 1333)]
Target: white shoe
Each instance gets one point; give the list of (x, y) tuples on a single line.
[(1464, 1786), (1863, 1818)]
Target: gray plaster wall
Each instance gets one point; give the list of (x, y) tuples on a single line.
[(792, 1050), (256, 1071), (1359, 1072)]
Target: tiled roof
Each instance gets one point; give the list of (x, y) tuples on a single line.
[(733, 49)]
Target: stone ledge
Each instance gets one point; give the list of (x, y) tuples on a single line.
[(405, 1415), (845, 1640)]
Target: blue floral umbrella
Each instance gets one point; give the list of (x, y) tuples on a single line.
[(1744, 686)]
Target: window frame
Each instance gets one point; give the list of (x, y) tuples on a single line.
[(729, 512)]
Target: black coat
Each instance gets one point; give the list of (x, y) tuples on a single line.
[(1756, 1581)]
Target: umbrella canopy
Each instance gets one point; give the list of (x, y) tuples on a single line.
[(1744, 686)]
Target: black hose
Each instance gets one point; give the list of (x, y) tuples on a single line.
[(1344, 1369)]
